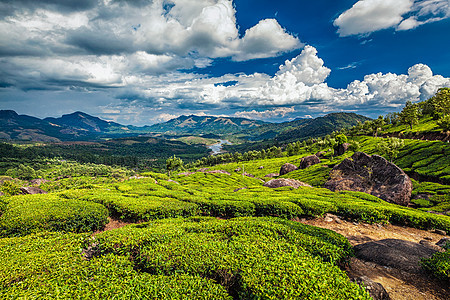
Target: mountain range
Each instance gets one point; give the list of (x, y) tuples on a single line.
[(81, 126)]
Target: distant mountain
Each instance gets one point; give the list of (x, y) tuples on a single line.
[(205, 125), (75, 126), (304, 128), (81, 126)]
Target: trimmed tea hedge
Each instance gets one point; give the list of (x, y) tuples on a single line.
[(32, 213)]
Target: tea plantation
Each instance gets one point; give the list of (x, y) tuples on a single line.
[(202, 234)]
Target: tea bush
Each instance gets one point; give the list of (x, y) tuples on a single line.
[(32, 213)]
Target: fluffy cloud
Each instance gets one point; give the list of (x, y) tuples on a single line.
[(204, 28), (367, 16), (266, 114)]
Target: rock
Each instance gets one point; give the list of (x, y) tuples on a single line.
[(91, 251), (271, 175), (237, 169), (341, 149), (276, 183), (373, 175), (308, 161), (430, 245), (38, 181), (249, 175), (203, 170), (400, 254), (320, 154), (286, 168), (186, 173), (428, 238), (136, 177), (218, 172), (170, 180), (328, 219), (32, 190), (375, 289), (439, 231), (242, 188), (261, 167), (444, 242)]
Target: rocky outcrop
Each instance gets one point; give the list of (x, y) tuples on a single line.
[(375, 289), (308, 161), (271, 175), (280, 182), (38, 181), (341, 149), (287, 168), (31, 190), (373, 175), (218, 172), (444, 242), (237, 169), (399, 254)]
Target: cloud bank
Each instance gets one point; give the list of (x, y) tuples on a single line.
[(367, 16)]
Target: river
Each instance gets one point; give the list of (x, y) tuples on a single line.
[(217, 148)]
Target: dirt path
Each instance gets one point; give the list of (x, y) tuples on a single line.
[(399, 284), (113, 224)]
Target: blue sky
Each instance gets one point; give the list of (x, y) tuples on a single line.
[(146, 61)]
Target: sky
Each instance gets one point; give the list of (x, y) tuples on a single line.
[(140, 62)]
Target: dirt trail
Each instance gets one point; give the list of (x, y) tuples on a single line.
[(399, 284), (113, 224)]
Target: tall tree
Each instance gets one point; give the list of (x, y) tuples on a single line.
[(410, 114)]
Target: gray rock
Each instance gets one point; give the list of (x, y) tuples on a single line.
[(32, 190), (341, 149), (271, 175), (237, 169), (280, 182), (287, 168), (218, 172), (441, 232), (444, 242), (170, 180), (375, 289), (239, 189), (308, 161), (373, 175), (261, 167), (400, 254), (38, 181)]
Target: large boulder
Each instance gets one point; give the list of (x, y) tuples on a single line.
[(373, 175), (308, 161), (341, 149), (286, 168), (276, 183), (399, 254), (31, 190)]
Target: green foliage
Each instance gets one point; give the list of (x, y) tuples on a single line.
[(22, 172), (9, 188), (410, 114), (173, 163), (341, 139), (250, 257), (32, 213), (389, 147), (444, 123), (49, 266), (439, 264), (441, 102)]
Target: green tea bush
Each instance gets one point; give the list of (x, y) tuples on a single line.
[(439, 264), (253, 258), (50, 266), (31, 213)]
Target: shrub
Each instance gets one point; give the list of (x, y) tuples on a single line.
[(32, 213)]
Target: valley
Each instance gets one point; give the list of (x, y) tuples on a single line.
[(157, 216)]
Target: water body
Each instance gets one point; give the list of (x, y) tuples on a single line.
[(217, 148)]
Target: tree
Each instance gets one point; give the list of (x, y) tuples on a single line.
[(389, 147), (441, 102), (444, 123), (173, 163), (377, 124), (410, 114)]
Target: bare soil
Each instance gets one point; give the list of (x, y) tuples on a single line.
[(399, 284), (113, 224)]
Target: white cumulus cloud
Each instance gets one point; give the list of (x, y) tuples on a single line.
[(367, 16)]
